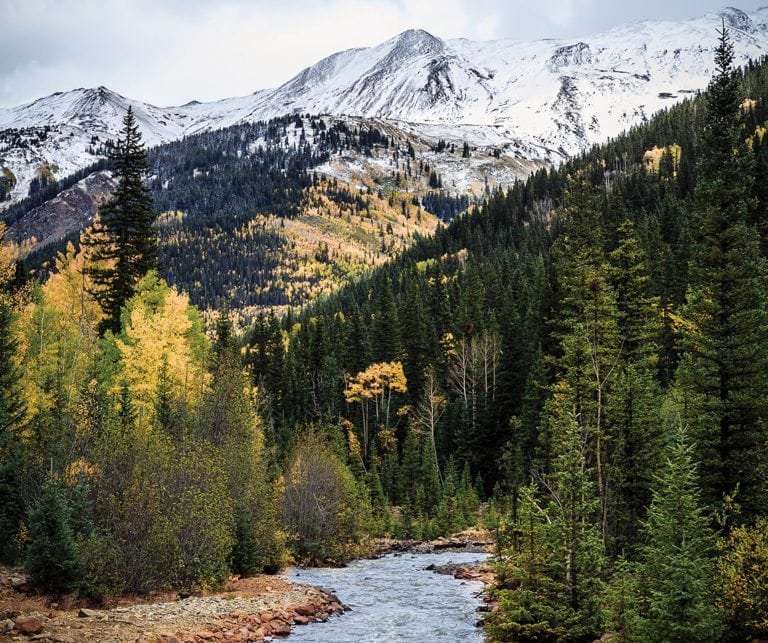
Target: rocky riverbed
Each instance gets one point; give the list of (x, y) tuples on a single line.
[(471, 541), (249, 610)]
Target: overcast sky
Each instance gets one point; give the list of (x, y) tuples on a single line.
[(168, 52)]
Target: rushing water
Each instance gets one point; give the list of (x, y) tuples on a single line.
[(395, 599)]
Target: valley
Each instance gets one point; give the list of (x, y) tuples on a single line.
[(426, 298)]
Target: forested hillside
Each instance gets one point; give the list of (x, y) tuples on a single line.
[(232, 199)]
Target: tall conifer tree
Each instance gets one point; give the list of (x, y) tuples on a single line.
[(124, 241), (727, 372), (676, 574)]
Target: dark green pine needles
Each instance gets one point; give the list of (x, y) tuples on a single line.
[(124, 242)]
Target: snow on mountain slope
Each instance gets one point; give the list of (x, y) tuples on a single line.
[(553, 95), (98, 111), (541, 100)]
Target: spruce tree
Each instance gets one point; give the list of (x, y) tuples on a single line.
[(124, 243), (414, 339), (676, 574), (52, 561), (357, 344), (550, 584), (636, 316), (386, 326), (632, 408), (728, 370)]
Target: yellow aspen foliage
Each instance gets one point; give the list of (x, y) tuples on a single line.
[(160, 326), (376, 380), (743, 579), (68, 292), (93, 237), (353, 445), (6, 258), (375, 385), (61, 324), (652, 157)]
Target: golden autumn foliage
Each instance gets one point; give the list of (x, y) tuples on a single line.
[(68, 291), (760, 132), (743, 572), (161, 327), (652, 157), (330, 240), (6, 257), (376, 380), (61, 324), (376, 384)]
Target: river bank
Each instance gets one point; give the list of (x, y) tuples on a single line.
[(477, 541), (247, 610)]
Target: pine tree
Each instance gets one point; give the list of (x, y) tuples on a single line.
[(124, 244), (52, 561), (409, 471), (676, 574), (634, 412), (386, 327), (633, 406), (358, 348), (550, 580), (636, 316), (591, 347), (622, 618), (728, 368), (414, 339), (430, 478)]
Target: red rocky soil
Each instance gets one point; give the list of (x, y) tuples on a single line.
[(250, 609)]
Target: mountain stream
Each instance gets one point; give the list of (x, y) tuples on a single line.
[(394, 598)]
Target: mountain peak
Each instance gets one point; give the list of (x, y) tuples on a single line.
[(544, 99), (418, 41), (736, 19), (96, 98)]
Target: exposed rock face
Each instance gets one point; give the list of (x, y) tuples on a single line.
[(69, 212)]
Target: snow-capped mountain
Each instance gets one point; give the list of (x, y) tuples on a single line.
[(554, 96), (540, 100)]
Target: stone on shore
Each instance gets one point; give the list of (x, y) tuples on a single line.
[(28, 625)]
